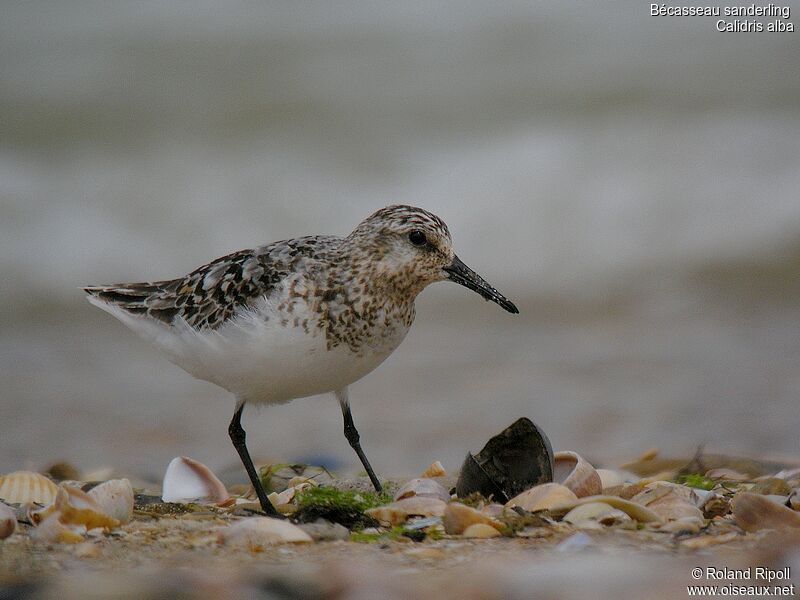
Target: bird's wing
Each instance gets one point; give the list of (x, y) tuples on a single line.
[(215, 292)]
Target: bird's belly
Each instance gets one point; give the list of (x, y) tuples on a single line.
[(271, 361)]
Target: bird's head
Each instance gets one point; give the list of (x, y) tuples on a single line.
[(409, 248)]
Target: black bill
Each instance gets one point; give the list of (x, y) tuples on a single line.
[(460, 273)]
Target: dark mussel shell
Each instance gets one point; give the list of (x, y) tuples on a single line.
[(516, 459)]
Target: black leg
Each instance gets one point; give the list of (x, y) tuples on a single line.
[(238, 436), (351, 433)]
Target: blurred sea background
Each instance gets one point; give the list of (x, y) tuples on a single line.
[(631, 182)]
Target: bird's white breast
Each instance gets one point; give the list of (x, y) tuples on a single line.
[(261, 356)]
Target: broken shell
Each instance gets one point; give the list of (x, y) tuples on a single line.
[(187, 480), (114, 498), (597, 512), (670, 501), (435, 469), (52, 531), (398, 512), (457, 517), (8, 521), (634, 510), (423, 487), (609, 478), (75, 507), (543, 497), (754, 511), (512, 461), (480, 531), (571, 470), (21, 487), (256, 533)]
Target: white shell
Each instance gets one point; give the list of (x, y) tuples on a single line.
[(609, 478), (544, 496), (670, 501), (8, 521), (256, 533), (596, 512), (187, 480), (20, 487), (633, 509), (114, 498), (572, 471)]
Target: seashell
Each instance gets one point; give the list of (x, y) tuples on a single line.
[(543, 497), (435, 469), (634, 510), (398, 512), (572, 471), (771, 486), (794, 499), (480, 531), (423, 487), (8, 521), (187, 480), (21, 487), (723, 474), (512, 461), (256, 533), (754, 511), (457, 517), (670, 501), (658, 489), (75, 507), (596, 512), (52, 531), (114, 498), (626, 490), (609, 478)]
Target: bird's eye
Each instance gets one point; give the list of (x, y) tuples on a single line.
[(417, 238)]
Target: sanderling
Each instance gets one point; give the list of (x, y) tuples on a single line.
[(298, 317)]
